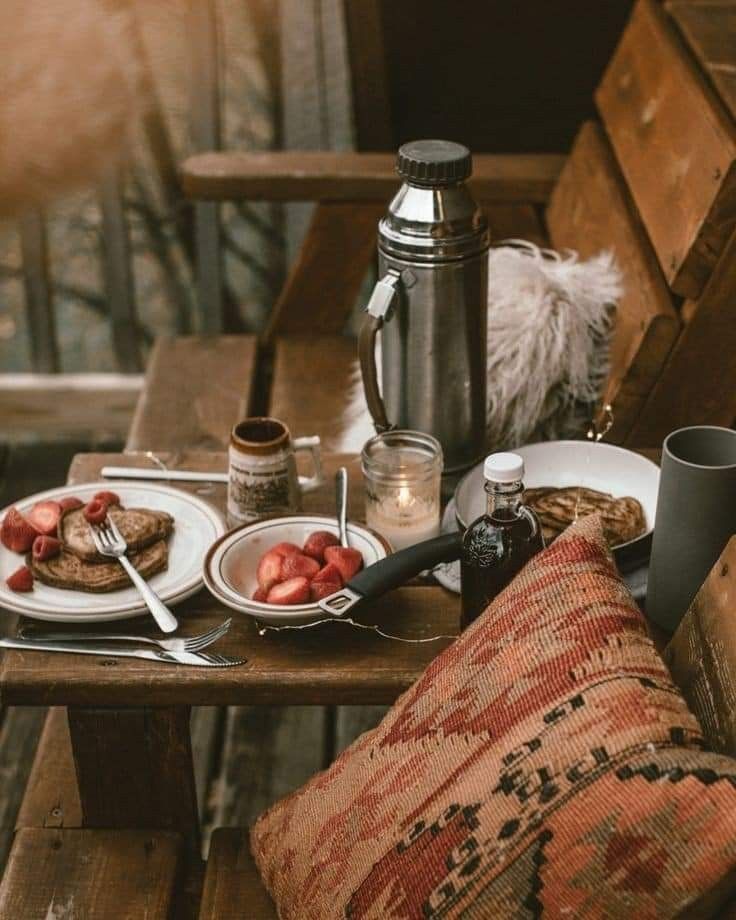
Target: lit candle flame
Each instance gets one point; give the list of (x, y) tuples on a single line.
[(404, 498)]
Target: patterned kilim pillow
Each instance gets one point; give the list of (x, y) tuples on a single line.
[(543, 765)]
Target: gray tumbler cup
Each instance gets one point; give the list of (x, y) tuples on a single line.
[(696, 516)]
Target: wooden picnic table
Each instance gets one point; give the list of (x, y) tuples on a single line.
[(129, 719)]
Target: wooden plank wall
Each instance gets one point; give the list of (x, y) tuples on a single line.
[(591, 211), (676, 145)]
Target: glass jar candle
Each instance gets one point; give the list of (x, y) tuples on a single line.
[(402, 472)]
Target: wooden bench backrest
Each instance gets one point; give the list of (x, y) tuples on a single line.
[(656, 184)]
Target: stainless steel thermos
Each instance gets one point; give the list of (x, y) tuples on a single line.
[(430, 305)]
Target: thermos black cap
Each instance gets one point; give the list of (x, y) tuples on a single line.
[(434, 163)]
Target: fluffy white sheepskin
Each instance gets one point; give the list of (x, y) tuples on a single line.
[(549, 319)]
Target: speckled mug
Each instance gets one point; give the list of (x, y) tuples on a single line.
[(263, 479)]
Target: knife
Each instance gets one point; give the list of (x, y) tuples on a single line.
[(136, 472), (200, 659), (392, 572)]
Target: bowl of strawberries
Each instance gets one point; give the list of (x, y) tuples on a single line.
[(279, 569)]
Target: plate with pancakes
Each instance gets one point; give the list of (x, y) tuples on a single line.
[(566, 480), (168, 532)]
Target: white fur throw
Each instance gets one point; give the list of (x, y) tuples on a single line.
[(549, 320), (69, 93)]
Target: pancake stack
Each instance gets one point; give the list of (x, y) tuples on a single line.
[(80, 567), (623, 518)]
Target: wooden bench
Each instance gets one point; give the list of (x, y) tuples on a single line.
[(127, 875), (194, 389), (232, 880)]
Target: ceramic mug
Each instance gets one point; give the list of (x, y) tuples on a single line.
[(696, 517), (263, 479)]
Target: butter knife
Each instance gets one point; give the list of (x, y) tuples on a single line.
[(201, 659), (137, 472)]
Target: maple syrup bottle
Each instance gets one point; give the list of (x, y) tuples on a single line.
[(498, 545)]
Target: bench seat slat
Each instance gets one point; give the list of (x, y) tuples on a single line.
[(232, 885), (81, 873), (196, 388)]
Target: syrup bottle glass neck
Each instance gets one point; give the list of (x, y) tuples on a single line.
[(503, 499)]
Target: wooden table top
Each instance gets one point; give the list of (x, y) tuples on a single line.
[(327, 664)]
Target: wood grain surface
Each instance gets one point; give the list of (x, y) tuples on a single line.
[(702, 654), (676, 145), (328, 176), (232, 883), (329, 664), (196, 388), (317, 390), (709, 29), (324, 281), (128, 875), (95, 407), (697, 385), (591, 212), (51, 797), (134, 767), (19, 735)]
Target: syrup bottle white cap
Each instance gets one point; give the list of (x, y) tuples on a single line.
[(503, 467)]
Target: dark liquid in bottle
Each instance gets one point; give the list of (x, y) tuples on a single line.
[(495, 549)]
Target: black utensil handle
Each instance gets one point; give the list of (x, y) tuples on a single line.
[(395, 570)]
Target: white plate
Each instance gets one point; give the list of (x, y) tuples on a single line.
[(231, 564), (604, 467), (196, 525)]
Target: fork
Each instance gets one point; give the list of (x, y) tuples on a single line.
[(202, 659), (109, 542), (189, 644)]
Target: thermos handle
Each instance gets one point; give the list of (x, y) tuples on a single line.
[(378, 311)]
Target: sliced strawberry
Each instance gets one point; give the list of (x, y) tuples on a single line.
[(44, 516), (46, 547), (95, 511), (17, 533), (317, 542), (348, 561), (20, 580), (293, 591), (285, 549), (329, 573), (260, 595), (321, 589), (70, 503), (295, 565), (109, 498), (269, 570)]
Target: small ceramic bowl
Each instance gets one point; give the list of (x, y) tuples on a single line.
[(231, 562)]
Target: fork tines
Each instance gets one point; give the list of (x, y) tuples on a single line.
[(221, 660)]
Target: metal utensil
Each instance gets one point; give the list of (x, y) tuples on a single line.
[(341, 497), (134, 472), (392, 572), (189, 644), (109, 542), (200, 659)]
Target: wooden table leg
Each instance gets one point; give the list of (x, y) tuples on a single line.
[(134, 769)]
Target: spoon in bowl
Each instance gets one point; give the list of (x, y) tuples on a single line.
[(341, 497)]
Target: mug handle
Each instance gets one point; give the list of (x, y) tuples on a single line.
[(313, 445)]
